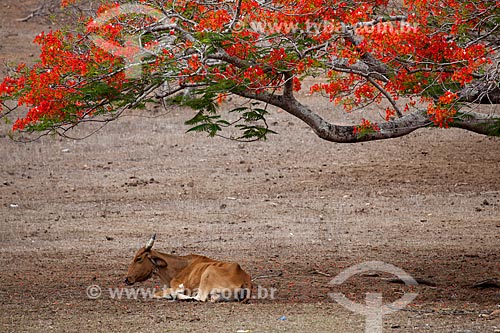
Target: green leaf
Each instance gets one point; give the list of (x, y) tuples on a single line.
[(254, 115), (198, 118), (211, 129), (254, 132), (240, 109)]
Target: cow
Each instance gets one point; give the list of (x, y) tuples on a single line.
[(190, 277)]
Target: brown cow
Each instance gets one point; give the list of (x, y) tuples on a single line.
[(190, 277)]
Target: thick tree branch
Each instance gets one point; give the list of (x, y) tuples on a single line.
[(478, 123), (223, 56), (346, 134), (471, 121)]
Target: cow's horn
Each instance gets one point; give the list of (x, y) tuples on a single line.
[(150, 242)]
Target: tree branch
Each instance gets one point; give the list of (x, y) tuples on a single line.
[(481, 92), (478, 123), (471, 121), (346, 134)]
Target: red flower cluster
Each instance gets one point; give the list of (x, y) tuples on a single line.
[(75, 78)]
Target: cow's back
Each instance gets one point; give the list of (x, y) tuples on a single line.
[(190, 276), (212, 274)]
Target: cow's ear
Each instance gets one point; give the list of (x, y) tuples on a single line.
[(157, 261)]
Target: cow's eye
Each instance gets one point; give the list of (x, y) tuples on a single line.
[(139, 259)]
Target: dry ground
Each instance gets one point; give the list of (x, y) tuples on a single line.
[(295, 208)]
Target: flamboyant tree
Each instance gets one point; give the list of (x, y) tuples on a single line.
[(426, 63)]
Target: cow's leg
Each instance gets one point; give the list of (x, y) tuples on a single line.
[(172, 293), (217, 297), (182, 297), (220, 294), (202, 295), (165, 293)]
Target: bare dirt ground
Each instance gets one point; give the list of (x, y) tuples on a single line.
[(293, 208)]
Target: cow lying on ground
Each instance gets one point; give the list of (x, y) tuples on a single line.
[(190, 277)]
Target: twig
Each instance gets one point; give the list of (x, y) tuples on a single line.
[(267, 276), (34, 13), (320, 273)]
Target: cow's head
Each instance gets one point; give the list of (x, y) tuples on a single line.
[(144, 264)]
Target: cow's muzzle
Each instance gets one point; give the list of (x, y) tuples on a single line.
[(128, 282)]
